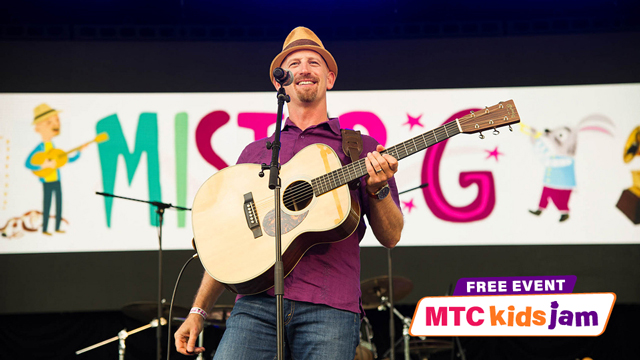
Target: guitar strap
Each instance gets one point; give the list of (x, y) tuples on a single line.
[(352, 147)]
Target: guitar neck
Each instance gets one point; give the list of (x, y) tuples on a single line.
[(358, 169), (78, 148)]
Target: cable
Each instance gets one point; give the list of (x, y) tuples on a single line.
[(171, 305)]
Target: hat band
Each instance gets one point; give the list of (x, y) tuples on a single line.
[(301, 42), (43, 114)]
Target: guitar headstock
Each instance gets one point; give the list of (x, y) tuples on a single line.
[(492, 117), (102, 137)]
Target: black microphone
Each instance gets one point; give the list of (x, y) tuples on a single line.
[(282, 76)]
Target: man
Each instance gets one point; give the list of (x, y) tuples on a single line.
[(47, 124), (322, 304)]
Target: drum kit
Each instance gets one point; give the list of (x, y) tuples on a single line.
[(375, 296)]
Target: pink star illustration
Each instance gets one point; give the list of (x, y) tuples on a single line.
[(408, 205), (413, 121), (493, 153)]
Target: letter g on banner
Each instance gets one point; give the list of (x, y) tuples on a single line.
[(484, 202)]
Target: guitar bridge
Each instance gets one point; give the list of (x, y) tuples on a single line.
[(251, 215)]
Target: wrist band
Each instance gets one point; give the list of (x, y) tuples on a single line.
[(197, 310)]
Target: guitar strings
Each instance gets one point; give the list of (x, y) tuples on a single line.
[(327, 182), (441, 132), (339, 177)]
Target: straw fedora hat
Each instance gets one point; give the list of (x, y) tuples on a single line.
[(302, 38), (43, 112)]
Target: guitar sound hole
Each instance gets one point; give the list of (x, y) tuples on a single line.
[(298, 195)]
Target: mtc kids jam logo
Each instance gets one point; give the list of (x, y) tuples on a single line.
[(536, 313)]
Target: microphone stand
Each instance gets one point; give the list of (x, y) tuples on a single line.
[(122, 336), (414, 188), (392, 326), (456, 340), (160, 208), (392, 309), (274, 184)]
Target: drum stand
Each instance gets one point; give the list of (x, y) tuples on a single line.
[(406, 325), (200, 344), (122, 336), (160, 208)]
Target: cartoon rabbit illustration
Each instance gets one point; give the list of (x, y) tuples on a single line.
[(556, 149)]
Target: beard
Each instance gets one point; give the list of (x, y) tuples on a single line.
[(307, 95)]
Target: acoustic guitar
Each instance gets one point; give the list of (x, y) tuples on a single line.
[(233, 212), (60, 156)]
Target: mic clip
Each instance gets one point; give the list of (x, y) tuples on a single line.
[(282, 76)]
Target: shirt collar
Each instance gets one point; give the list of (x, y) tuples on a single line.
[(332, 124)]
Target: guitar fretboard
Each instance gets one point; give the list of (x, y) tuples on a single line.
[(344, 175)]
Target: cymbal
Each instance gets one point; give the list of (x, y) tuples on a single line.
[(146, 311), (425, 347), (219, 314), (416, 345), (216, 317), (374, 289)]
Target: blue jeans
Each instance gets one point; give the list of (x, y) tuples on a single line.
[(311, 331), (50, 189)]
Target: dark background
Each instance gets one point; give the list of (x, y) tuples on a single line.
[(204, 46)]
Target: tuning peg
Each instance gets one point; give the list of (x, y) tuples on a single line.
[(495, 131), (481, 136)]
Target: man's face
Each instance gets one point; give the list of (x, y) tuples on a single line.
[(49, 128), (311, 76)]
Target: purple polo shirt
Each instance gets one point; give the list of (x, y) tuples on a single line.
[(327, 273)]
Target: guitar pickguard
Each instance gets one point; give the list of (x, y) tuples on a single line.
[(289, 222)]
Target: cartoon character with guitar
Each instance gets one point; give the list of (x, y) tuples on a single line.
[(45, 160)]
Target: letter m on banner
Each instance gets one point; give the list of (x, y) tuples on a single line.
[(110, 151), (434, 318)]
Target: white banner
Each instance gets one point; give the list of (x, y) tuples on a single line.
[(480, 192)]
